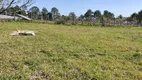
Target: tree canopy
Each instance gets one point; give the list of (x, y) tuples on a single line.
[(5, 4)]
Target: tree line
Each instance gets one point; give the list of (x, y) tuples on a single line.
[(90, 17)]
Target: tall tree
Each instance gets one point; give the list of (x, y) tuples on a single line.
[(58, 16), (81, 18), (133, 18), (139, 18), (73, 17), (50, 17), (18, 10), (120, 18), (110, 17), (44, 13), (97, 15), (13, 10), (10, 11), (88, 15), (54, 12), (106, 16), (34, 11)]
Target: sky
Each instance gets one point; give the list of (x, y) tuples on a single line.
[(124, 7)]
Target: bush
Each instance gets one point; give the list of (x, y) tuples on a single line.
[(60, 22)]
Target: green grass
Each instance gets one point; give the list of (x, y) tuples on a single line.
[(60, 52)]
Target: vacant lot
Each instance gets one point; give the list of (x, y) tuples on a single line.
[(60, 52)]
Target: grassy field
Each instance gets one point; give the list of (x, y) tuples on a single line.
[(60, 52)]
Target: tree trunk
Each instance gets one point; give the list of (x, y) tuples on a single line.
[(14, 16)]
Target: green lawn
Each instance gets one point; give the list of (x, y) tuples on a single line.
[(60, 52)]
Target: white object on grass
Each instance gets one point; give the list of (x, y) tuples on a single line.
[(23, 33)]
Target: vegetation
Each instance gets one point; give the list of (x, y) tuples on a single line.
[(61, 52), (89, 18), (6, 4)]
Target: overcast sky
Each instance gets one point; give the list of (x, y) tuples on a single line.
[(124, 7)]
